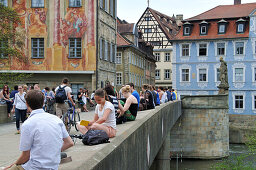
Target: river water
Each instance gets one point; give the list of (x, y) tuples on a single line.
[(194, 164)]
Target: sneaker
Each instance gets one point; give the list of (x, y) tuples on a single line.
[(18, 132)]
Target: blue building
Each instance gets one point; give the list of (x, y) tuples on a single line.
[(227, 31)]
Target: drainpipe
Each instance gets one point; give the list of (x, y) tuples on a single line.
[(97, 41)]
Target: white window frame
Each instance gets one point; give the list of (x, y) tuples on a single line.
[(207, 49), (188, 75), (253, 94), (201, 30), (207, 74), (234, 76), (186, 30), (224, 26), (157, 56), (169, 74), (74, 3), (216, 77), (253, 73), (37, 4), (238, 30), (121, 82), (185, 67), (119, 58), (166, 55), (235, 48), (181, 49), (234, 101), (216, 47), (159, 71)]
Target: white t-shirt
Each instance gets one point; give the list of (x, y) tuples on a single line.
[(164, 97), (67, 89), (111, 120)]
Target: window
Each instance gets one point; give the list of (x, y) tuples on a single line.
[(37, 3), (202, 75), (75, 3), (203, 30), (185, 75), (220, 49), (239, 48), (157, 55), (4, 2), (148, 18), (166, 74), (157, 74), (202, 49), (102, 4), (217, 74), (113, 52), (118, 78), (75, 48), (239, 74), (240, 28), (148, 30), (111, 7), (75, 89), (222, 28), (37, 48), (254, 74), (167, 57), (102, 48), (185, 49), (239, 102), (254, 97), (3, 46), (106, 51), (186, 30)]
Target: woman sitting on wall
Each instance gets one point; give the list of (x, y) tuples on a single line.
[(5, 98), (104, 118), (131, 104)]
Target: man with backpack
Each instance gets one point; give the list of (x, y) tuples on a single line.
[(63, 92)]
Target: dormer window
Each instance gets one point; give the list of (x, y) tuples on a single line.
[(240, 25), (203, 28), (187, 28), (222, 26)]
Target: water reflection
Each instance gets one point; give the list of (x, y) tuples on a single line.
[(194, 164)]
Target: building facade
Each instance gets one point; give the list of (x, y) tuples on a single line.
[(62, 39), (159, 29), (134, 58), (205, 38)]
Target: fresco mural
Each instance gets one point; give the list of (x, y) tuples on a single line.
[(56, 26)]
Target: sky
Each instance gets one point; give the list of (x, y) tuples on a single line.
[(131, 10)]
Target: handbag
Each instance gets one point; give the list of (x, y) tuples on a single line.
[(95, 137)]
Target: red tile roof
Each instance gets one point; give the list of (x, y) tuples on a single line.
[(121, 41), (213, 32), (125, 28), (226, 11)]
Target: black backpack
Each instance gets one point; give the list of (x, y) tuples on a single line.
[(94, 137), (61, 96)]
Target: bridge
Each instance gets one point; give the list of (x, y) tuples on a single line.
[(196, 127)]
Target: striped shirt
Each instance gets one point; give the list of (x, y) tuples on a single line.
[(114, 101)]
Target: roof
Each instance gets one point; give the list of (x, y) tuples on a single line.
[(163, 24), (213, 32), (125, 28), (226, 11), (121, 41)]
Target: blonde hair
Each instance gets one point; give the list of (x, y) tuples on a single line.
[(126, 89)]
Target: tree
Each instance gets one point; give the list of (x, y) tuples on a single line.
[(12, 79), (11, 36)]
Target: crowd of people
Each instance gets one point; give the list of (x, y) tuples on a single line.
[(112, 108)]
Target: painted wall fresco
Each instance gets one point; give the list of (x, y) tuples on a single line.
[(56, 23)]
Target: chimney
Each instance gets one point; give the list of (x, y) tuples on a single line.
[(179, 18), (237, 2)]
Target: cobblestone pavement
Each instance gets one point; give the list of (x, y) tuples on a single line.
[(9, 141)]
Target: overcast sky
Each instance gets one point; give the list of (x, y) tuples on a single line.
[(131, 10)]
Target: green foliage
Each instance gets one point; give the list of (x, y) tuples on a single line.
[(12, 36), (12, 79)]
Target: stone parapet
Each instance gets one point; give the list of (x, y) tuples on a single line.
[(203, 129), (3, 114)]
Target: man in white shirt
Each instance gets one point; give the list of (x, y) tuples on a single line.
[(43, 137), (61, 108)]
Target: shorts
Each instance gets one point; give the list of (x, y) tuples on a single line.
[(61, 108), (111, 132)]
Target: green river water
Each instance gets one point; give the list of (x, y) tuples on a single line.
[(195, 164)]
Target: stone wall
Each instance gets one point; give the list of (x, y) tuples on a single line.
[(240, 126), (203, 130), (3, 114)]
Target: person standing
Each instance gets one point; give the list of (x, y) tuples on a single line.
[(19, 108), (135, 93), (63, 92), (43, 137), (12, 95), (50, 100), (148, 97)]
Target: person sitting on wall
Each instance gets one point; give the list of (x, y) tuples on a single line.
[(104, 118), (43, 137), (148, 98), (131, 104)]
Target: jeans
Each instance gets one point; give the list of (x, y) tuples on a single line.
[(9, 106), (20, 115)]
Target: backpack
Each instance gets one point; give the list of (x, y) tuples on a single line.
[(61, 96), (94, 137)]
